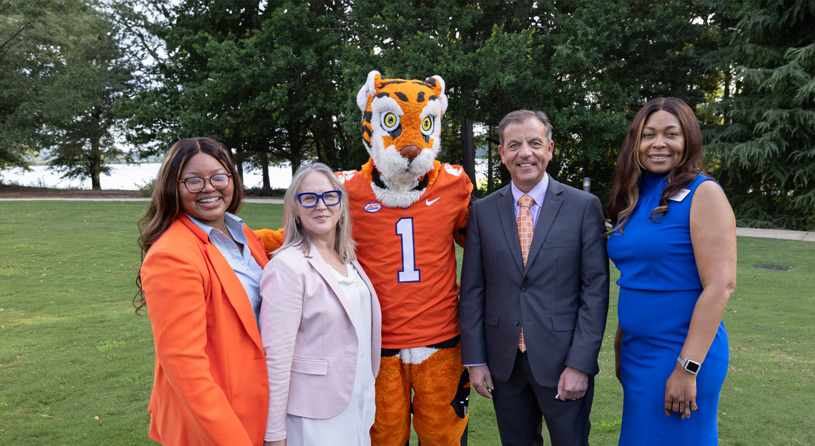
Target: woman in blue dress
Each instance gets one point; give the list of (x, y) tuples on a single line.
[(674, 242)]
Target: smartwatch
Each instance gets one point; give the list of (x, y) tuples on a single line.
[(689, 365)]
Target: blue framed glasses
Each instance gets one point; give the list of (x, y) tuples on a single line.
[(310, 199)]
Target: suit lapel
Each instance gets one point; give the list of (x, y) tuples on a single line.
[(548, 213), (506, 214), (324, 269), (231, 285)]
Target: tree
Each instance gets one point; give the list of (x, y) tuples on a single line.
[(72, 69), (764, 146), (29, 35), (410, 39), (264, 78), (198, 81), (277, 80), (79, 109), (590, 65)]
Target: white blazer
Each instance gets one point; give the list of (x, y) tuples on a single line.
[(309, 338)]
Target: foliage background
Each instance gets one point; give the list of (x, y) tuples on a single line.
[(275, 80)]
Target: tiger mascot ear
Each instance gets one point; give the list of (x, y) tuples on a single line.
[(438, 82), (374, 81), (367, 90)]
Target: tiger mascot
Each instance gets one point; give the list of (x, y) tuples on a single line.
[(407, 211)]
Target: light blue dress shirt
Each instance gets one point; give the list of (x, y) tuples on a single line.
[(244, 265), (538, 193)]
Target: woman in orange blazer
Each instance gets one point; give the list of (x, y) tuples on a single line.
[(199, 279)]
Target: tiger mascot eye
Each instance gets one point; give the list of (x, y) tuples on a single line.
[(408, 210)]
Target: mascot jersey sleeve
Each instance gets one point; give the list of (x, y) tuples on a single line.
[(409, 255)]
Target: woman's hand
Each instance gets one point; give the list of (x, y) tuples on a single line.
[(680, 393), (275, 443)]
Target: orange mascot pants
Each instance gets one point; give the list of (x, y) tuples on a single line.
[(440, 389)]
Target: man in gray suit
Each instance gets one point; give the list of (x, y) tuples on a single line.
[(532, 318)]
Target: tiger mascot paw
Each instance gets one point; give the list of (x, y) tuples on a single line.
[(272, 238)]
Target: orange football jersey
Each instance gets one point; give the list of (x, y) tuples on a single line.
[(409, 255)]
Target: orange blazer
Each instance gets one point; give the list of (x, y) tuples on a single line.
[(211, 386)]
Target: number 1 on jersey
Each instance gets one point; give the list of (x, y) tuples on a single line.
[(409, 273)]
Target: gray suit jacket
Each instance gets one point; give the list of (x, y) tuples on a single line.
[(561, 296)]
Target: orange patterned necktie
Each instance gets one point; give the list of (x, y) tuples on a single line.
[(526, 229)]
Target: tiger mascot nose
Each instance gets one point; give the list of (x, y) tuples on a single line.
[(410, 152)]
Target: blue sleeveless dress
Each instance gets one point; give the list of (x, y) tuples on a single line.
[(659, 286)]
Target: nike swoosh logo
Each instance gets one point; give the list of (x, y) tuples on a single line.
[(429, 202)]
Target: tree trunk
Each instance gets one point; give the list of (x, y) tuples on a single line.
[(237, 160), (318, 145), (728, 77), (505, 176), (467, 148), (95, 164), (295, 148), (490, 162), (264, 168)]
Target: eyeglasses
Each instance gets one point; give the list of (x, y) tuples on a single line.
[(310, 199), (218, 181)]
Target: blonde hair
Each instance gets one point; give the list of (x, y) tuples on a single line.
[(294, 234)]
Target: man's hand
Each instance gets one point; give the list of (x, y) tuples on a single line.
[(481, 380), (572, 385)]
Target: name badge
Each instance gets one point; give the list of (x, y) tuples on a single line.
[(680, 196)]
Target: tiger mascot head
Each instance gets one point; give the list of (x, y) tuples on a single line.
[(401, 129)]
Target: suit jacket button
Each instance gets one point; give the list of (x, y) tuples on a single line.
[(517, 323), (523, 289)]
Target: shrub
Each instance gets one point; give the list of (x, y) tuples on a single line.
[(147, 189)]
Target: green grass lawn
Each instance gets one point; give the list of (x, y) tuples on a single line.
[(76, 363)]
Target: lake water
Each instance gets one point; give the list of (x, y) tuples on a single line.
[(134, 176), (127, 177)]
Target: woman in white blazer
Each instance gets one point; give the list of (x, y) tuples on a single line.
[(319, 321)]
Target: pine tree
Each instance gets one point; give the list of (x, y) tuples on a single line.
[(764, 149)]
